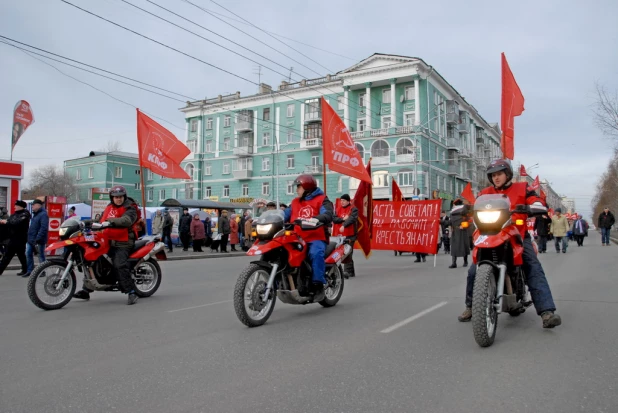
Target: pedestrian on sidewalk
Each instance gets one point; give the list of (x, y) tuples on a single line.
[(560, 227), (184, 229), (460, 238), (248, 231), (157, 223), (580, 230), (198, 233), (541, 226), (234, 238), (605, 222), (17, 224), (168, 225), (224, 230), (37, 235), (241, 229), (4, 232)]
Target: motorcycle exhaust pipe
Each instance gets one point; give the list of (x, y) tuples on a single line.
[(500, 286)]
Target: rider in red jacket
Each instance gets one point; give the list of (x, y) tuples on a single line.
[(500, 175)]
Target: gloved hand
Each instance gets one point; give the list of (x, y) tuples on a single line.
[(106, 224), (312, 221)]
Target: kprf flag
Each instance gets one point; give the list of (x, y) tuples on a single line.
[(468, 194), (397, 195), (512, 105), (22, 119), (535, 185), (543, 196), (340, 153), (363, 201), (522, 170), (159, 150)]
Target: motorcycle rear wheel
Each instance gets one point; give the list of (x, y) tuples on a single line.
[(335, 287), (484, 314), (148, 281), (42, 285), (248, 293)]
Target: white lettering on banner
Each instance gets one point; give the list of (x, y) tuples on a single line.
[(154, 159), (390, 237), (340, 157)]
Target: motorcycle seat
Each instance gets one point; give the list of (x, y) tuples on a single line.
[(140, 243), (330, 248)]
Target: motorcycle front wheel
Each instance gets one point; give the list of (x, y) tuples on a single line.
[(334, 289), (250, 308), (484, 313), (43, 288)]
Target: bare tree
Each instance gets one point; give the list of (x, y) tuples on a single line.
[(111, 146), (607, 188), (51, 180), (606, 111)]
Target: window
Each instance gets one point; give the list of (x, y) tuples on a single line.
[(409, 92), (190, 169), (207, 168), (150, 195), (361, 151), (193, 125), (315, 160), (91, 172), (361, 100), (266, 139), (380, 179), (227, 121), (290, 188), (340, 184), (226, 191), (266, 114), (209, 123), (150, 175), (161, 177), (226, 144), (405, 178), (291, 110), (340, 102), (226, 168), (409, 119), (438, 182), (245, 189), (78, 175), (192, 145), (290, 134), (404, 147), (361, 125), (379, 149), (265, 188), (437, 153), (161, 194), (443, 158), (118, 172), (209, 145), (265, 164), (386, 122), (175, 193), (313, 131), (386, 95), (290, 161), (208, 192)]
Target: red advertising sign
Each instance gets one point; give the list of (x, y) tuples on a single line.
[(411, 226), (55, 211), (22, 119)]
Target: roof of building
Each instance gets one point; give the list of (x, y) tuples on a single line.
[(202, 203), (113, 153)]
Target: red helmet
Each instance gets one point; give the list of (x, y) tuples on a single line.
[(118, 190), (308, 182), (500, 165)]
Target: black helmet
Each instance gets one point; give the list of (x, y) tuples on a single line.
[(307, 181), (118, 190), (500, 165)]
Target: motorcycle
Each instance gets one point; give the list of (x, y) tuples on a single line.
[(283, 270), (52, 283), (500, 283)]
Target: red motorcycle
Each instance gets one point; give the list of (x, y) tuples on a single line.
[(284, 271), (52, 283), (500, 283)]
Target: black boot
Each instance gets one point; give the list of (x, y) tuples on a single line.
[(454, 264), (132, 298), (82, 295), (465, 261), (424, 259)]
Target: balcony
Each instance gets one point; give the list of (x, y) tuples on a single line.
[(241, 151), (452, 118), (310, 143), (465, 152), (242, 173), (244, 121), (357, 135), (313, 111), (378, 132), (401, 130), (313, 169), (463, 128), (453, 168), (453, 144), (404, 158)]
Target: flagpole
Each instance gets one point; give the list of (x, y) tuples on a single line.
[(324, 168), (141, 175)]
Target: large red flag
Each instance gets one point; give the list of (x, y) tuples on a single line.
[(535, 185), (159, 150), (340, 153), (522, 170), (22, 119), (468, 194), (512, 105), (363, 201), (544, 196), (397, 195)]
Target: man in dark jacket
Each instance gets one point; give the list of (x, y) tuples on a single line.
[(184, 229), (606, 221), (224, 229), (4, 232), (168, 225), (460, 237), (580, 230), (37, 234), (346, 223), (541, 226), (18, 237)]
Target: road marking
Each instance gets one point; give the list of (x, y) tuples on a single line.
[(414, 317), (200, 306)]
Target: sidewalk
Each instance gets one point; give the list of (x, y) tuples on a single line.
[(177, 255)]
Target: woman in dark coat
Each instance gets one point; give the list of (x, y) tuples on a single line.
[(460, 237)]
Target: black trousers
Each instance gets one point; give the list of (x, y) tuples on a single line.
[(120, 258), (224, 240), (543, 243), (167, 236), (10, 252), (197, 245), (185, 238), (579, 239)]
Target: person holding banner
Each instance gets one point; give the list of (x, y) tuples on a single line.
[(346, 223)]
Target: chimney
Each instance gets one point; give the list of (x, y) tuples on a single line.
[(264, 88), (283, 85), (220, 98), (237, 95)]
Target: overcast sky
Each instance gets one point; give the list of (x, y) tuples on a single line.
[(556, 50)]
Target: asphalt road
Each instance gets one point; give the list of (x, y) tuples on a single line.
[(183, 350)]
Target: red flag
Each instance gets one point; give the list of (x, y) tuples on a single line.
[(22, 119), (340, 153), (544, 196), (363, 201), (535, 185), (397, 195), (468, 194), (159, 150), (512, 105), (522, 170)]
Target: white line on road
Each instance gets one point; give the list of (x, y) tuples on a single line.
[(414, 317), (200, 306)]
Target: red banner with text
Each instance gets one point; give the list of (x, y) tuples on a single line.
[(410, 226)]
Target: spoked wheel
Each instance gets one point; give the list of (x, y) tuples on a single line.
[(484, 313), (44, 288), (250, 307), (334, 289), (147, 277)]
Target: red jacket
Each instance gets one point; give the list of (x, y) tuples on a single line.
[(348, 217), (306, 209)]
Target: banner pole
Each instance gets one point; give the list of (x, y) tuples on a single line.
[(435, 258)]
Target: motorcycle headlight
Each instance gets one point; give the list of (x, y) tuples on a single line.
[(488, 217), (264, 229)]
